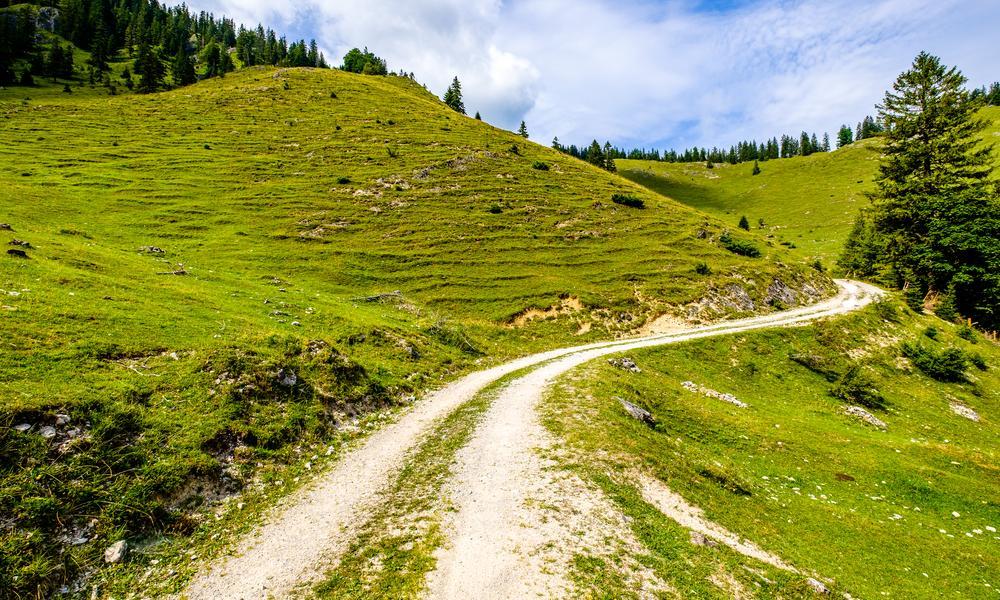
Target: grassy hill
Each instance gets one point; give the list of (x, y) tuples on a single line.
[(219, 278), (809, 202), (911, 511)]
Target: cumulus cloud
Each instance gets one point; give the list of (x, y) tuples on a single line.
[(650, 73)]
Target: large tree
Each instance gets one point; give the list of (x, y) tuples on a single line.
[(935, 212)]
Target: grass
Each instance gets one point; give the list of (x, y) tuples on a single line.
[(192, 249), (806, 202), (908, 512)]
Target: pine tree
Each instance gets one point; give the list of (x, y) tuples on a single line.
[(609, 157), (453, 96), (826, 142), (478, 117), (182, 69), (756, 168), (523, 130), (556, 145), (744, 223), (151, 70), (845, 136), (935, 208)]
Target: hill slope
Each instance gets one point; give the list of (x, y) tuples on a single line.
[(810, 201), (211, 276)]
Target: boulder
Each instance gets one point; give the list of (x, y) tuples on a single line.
[(17, 253), (817, 586), (287, 377), (62, 419), (637, 412), (624, 363), (864, 415), (779, 293), (48, 432), (699, 539), (6, 227), (23, 427)]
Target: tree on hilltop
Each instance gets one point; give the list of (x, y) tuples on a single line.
[(453, 96), (523, 130), (182, 69), (845, 136)]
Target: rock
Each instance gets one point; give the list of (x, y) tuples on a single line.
[(115, 553), (700, 389), (964, 411), (62, 419), (151, 249), (287, 377), (737, 297), (48, 432), (17, 253), (6, 227), (23, 427), (20, 243), (699, 539), (637, 412), (296, 324), (817, 586), (864, 415), (624, 363), (778, 293)]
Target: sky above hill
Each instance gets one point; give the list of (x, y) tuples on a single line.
[(650, 73)]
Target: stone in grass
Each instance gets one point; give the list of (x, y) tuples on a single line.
[(817, 586), (700, 539), (23, 427), (116, 553), (637, 412), (287, 377), (864, 415), (6, 227), (47, 432), (964, 411), (17, 253), (624, 363)]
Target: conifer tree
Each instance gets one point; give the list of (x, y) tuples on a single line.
[(935, 211), (609, 157), (756, 168), (182, 69), (478, 117), (523, 130), (453, 96), (151, 70), (845, 136)]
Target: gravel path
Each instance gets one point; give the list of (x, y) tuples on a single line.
[(494, 535)]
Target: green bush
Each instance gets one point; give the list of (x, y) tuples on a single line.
[(495, 209), (702, 268), (948, 365), (886, 310), (541, 166), (741, 247), (856, 387), (967, 333), (931, 332), (628, 200), (977, 360)]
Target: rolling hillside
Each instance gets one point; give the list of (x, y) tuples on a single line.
[(809, 202), (201, 283)]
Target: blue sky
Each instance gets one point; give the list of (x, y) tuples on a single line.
[(651, 73)]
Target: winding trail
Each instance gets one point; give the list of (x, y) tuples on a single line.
[(492, 533)]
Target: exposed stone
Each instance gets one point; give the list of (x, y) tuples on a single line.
[(6, 227), (151, 249), (48, 432), (864, 415), (17, 253), (817, 586), (779, 293), (700, 389), (62, 419), (964, 411), (23, 427), (115, 553), (287, 377), (637, 412), (699, 539), (624, 363), (20, 243)]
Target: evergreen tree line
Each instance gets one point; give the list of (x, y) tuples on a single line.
[(146, 31), (601, 156)]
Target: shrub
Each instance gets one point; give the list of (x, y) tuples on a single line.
[(818, 265), (741, 247), (702, 268), (628, 200), (539, 165), (856, 387), (744, 223), (931, 332), (967, 333), (343, 180), (947, 365), (977, 360), (914, 298), (495, 209), (886, 310), (514, 149)]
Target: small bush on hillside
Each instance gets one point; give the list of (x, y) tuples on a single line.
[(702, 268), (756, 169), (931, 332), (886, 310), (977, 360), (914, 298), (741, 247), (817, 364), (514, 149), (343, 180), (495, 209), (744, 223), (818, 265), (539, 165), (628, 200), (967, 333), (856, 387), (948, 365)]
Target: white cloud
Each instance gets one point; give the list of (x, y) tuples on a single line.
[(649, 72)]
